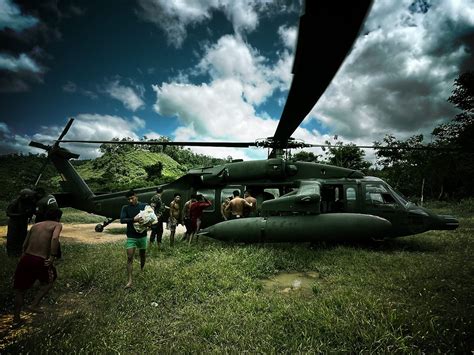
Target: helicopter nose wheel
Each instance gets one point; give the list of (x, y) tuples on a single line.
[(99, 228)]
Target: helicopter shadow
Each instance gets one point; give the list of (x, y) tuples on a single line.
[(412, 244)]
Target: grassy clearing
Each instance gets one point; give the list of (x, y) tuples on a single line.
[(408, 295)]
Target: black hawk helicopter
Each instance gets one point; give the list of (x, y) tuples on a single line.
[(296, 201)]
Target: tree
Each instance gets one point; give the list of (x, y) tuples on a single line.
[(404, 168), (458, 133), (306, 156), (346, 156)]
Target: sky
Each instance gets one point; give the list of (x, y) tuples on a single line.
[(219, 70)]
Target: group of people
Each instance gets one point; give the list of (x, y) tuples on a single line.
[(237, 207), (39, 247), (189, 215)]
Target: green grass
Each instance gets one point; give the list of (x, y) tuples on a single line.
[(411, 294)]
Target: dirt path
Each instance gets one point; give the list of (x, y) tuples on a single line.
[(85, 233)]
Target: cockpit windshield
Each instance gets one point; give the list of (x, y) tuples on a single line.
[(398, 195)]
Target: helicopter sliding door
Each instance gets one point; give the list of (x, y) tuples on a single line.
[(332, 198)]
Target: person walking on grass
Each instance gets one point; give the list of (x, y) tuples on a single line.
[(37, 262), (158, 206), (135, 240), (175, 216)]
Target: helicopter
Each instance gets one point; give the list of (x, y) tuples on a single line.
[(296, 201)]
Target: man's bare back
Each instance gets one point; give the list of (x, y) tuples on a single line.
[(43, 239), (236, 205)]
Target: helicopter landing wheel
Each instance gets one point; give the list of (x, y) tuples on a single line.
[(99, 228)]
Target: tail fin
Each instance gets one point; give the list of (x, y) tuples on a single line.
[(75, 187)]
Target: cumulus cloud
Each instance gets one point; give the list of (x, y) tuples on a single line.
[(11, 17), (23, 36), (22, 63), (224, 109), (174, 16), (130, 97), (85, 127)]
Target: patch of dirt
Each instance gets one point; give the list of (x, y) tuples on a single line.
[(85, 233)]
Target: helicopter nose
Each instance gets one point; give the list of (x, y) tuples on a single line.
[(445, 222)]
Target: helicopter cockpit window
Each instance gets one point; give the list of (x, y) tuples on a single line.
[(210, 194), (378, 194), (273, 192), (309, 189)]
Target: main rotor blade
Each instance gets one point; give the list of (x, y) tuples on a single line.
[(68, 125), (39, 145), (447, 149), (327, 31), (188, 144)]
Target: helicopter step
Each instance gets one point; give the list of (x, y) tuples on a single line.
[(300, 228), (99, 228)]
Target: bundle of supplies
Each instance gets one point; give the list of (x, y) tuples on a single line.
[(148, 218)]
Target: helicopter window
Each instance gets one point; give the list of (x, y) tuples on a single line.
[(274, 192), (350, 194), (229, 193), (378, 194), (210, 194), (310, 189)]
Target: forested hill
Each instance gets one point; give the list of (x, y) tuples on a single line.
[(116, 169)]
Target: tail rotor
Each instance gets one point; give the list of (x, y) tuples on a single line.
[(50, 149)]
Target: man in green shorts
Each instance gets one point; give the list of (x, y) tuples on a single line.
[(135, 240)]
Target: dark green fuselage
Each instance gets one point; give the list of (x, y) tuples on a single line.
[(296, 201)]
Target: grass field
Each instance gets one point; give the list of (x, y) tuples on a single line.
[(412, 294)]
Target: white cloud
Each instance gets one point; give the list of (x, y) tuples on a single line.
[(288, 36), (11, 17), (127, 95), (85, 127), (232, 58), (174, 16), (4, 128), (22, 63), (224, 108)]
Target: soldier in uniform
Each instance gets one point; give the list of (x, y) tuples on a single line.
[(159, 208), (19, 211)]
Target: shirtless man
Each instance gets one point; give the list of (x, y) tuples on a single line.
[(236, 206), (252, 211), (39, 252), (187, 217), (175, 216)]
